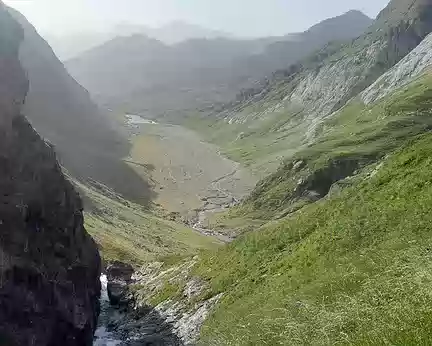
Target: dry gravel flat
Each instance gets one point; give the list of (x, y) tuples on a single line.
[(187, 172)]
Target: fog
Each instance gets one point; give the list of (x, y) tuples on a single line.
[(244, 18)]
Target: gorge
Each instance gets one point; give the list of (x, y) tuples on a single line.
[(218, 190)]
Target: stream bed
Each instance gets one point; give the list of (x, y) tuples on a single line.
[(102, 336), (130, 327)]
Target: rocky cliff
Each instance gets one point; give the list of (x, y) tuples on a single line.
[(61, 110), (318, 86), (49, 265), (414, 64)]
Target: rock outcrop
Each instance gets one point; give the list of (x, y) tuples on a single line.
[(410, 67), (184, 309), (49, 265), (119, 277)]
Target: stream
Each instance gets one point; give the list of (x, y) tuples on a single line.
[(136, 120), (102, 336)]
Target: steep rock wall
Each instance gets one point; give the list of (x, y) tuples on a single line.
[(49, 265)]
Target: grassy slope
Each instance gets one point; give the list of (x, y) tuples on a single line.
[(259, 145), (353, 138), (127, 232), (355, 269), (351, 269), (356, 136)]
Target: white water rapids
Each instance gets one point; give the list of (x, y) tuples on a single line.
[(102, 336)]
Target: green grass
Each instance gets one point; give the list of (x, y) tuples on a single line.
[(355, 137), (125, 231), (259, 143), (168, 291), (352, 270)]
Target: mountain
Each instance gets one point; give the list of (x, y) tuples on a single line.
[(171, 33), (195, 74), (163, 78), (62, 111), (344, 27), (114, 77), (49, 292), (284, 114), (70, 46), (323, 120)]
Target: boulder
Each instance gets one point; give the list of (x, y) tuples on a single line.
[(119, 277)]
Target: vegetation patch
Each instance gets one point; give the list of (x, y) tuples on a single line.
[(353, 269), (353, 138), (169, 291), (127, 232)]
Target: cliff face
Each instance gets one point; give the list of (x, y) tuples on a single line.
[(49, 265)]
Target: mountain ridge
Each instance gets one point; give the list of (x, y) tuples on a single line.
[(199, 73), (71, 46)]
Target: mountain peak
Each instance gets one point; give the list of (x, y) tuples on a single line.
[(357, 13), (353, 21), (178, 31)]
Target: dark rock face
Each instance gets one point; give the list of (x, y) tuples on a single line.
[(119, 276), (49, 265)]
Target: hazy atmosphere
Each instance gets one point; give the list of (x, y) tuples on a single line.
[(225, 173), (239, 17)]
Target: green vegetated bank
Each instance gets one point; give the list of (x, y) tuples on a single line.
[(355, 137), (353, 269)]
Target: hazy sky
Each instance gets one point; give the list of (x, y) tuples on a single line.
[(240, 17)]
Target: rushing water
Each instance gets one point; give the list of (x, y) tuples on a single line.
[(102, 336)]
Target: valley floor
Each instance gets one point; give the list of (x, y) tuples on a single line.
[(187, 173)]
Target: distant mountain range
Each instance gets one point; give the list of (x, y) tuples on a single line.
[(143, 75), (67, 47)]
